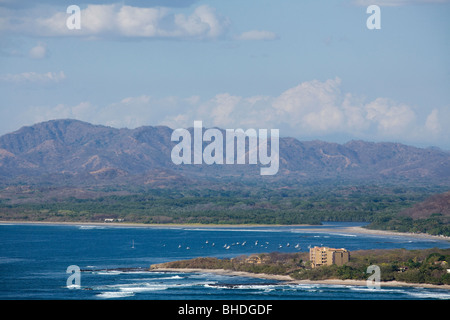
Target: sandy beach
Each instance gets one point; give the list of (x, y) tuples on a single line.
[(288, 279), (359, 230), (347, 230)]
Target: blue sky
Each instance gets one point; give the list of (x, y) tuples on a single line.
[(309, 68)]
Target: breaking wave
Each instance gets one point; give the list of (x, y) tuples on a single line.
[(114, 295), (430, 295)]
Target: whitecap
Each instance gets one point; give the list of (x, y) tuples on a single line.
[(170, 278), (144, 288), (263, 287), (114, 294), (213, 286), (345, 235), (136, 287), (374, 290), (89, 227), (160, 278), (304, 286), (73, 286), (430, 295), (307, 288), (112, 272), (4, 260)]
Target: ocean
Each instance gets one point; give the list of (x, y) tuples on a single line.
[(113, 260)]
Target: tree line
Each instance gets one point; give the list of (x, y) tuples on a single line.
[(309, 204)]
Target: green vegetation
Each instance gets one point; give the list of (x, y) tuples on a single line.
[(230, 204), (435, 225), (272, 263), (412, 266)]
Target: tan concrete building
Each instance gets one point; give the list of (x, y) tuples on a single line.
[(321, 256), (257, 259)]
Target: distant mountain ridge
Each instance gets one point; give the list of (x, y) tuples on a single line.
[(76, 152)]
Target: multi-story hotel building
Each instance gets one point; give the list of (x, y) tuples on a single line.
[(320, 256)]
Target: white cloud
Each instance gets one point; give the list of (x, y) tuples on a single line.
[(119, 20), (33, 77), (39, 51), (390, 116), (308, 96), (327, 119), (315, 109), (432, 124), (354, 115), (257, 35), (114, 20), (221, 109), (312, 110), (204, 21)]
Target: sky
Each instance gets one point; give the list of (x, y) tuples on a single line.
[(312, 69)]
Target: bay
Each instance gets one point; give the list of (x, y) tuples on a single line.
[(114, 262)]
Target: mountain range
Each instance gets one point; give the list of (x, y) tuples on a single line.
[(79, 153)]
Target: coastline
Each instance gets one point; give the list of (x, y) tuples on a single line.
[(289, 280), (148, 225), (285, 278), (346, 230), (359, 230)]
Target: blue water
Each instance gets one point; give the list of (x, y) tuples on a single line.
[(34, 259)]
